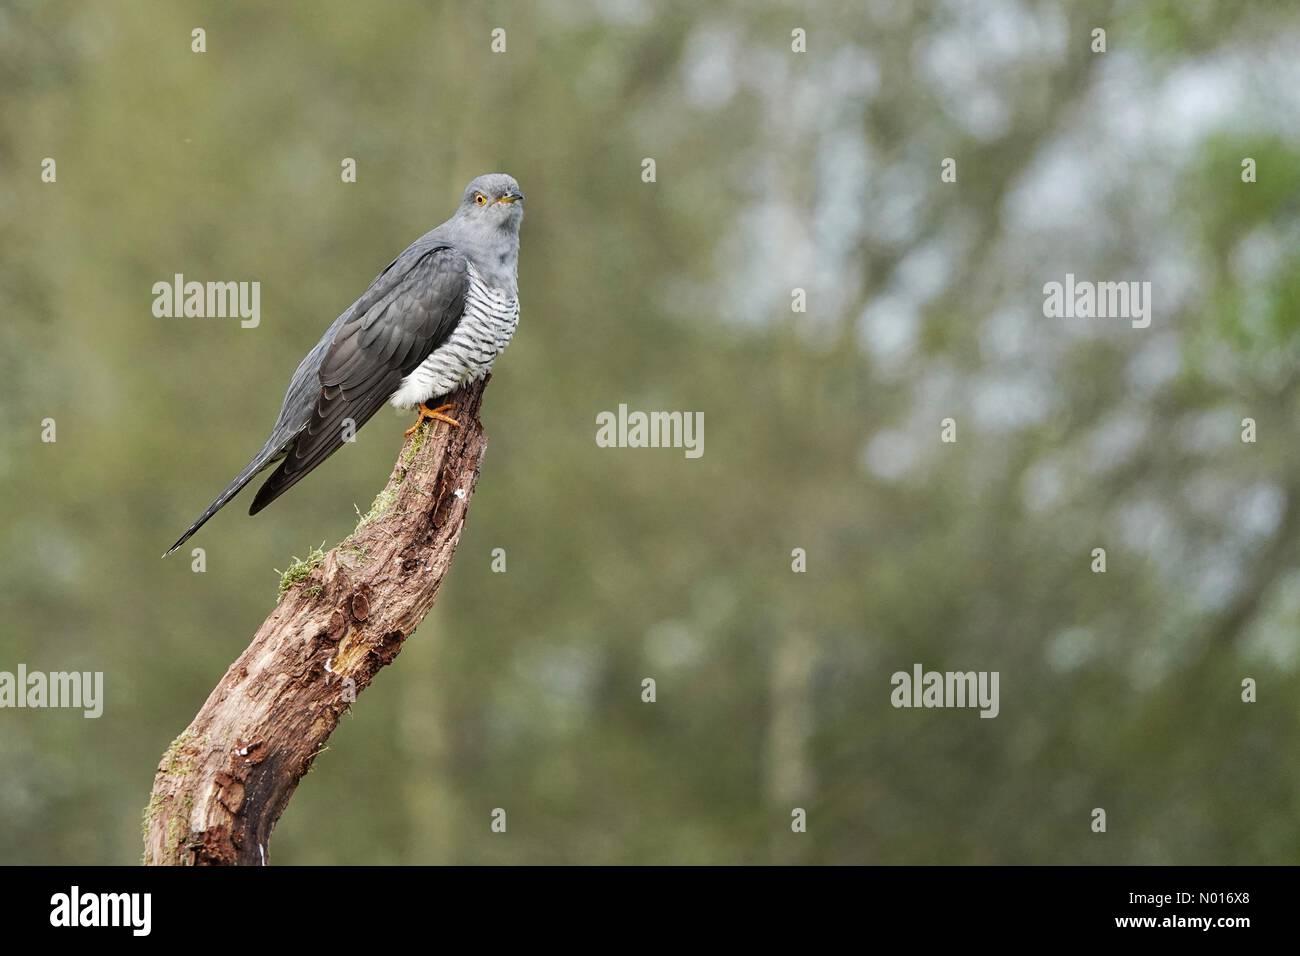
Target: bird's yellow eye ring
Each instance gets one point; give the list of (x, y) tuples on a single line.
[(480, 199)]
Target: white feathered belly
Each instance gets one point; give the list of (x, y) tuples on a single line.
[(484, 330)]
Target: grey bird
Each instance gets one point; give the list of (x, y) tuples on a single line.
[(434, 319)]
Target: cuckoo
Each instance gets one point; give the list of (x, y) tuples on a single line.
[(435, 319)]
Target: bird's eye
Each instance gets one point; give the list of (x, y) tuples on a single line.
[(480, 199)]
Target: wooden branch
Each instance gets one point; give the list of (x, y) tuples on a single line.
[(224, 782)]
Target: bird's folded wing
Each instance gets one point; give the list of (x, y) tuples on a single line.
[(394, 326)]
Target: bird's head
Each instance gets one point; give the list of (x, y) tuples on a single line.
[(493, 199)]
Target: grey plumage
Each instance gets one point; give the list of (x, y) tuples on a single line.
[(448, 303), (487, 323)]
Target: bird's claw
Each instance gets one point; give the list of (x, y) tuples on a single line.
[(424, 414)]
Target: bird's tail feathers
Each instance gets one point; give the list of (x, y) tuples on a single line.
[(268, 454)]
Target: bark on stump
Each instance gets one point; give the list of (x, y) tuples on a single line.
[(223, 783)]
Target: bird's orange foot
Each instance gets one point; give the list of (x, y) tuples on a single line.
[(424, 414)]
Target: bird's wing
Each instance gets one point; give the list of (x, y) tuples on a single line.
[(394, 326)]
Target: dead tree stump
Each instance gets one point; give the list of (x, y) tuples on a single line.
[(223, 783)]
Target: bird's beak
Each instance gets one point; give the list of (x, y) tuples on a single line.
[(511, 197)]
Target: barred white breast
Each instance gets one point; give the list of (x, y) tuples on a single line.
[(483, 332)]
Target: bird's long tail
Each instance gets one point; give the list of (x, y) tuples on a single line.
[(269, 453)]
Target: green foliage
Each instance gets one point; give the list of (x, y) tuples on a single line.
[(300, 569), (380, 506)]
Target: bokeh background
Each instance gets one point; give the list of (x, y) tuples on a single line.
[(775, 171)]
